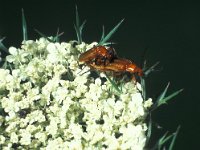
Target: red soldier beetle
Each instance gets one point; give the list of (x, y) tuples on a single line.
[(119, 65), (98, 54)]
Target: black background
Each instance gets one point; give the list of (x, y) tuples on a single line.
[(169, 29)]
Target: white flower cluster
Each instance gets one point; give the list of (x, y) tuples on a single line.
[(48, 100)]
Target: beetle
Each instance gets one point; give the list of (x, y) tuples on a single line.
[(119, 65), (100, 55)]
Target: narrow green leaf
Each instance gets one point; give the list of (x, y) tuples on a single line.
[(149, 130), (162, 95), (82, 26), (77, 33), (78, 27), (2, 47), (108, 43), (151, 69), (69, 74), (77, 18), (143, 61), (109, 35), (57, 37), (159, 143), (143, 85), (174, 138), (103, 33), (5, 65), (113, 84), (24, 27), (166, 99), (164, 139), (144, 66)]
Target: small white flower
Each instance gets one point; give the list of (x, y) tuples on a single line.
[(11, 115), (2, 139), (42, 44), (17, 56), (57, 53), (133, 137), (60, 94), (7, 147), (4, 74), (98, 136), (9, 104), (52, 128), (32, 128), (119, 105), (13, 51), (55, 109), (30, 46), (25, 137), (50, 86), (95, 91), (75, 145), (41, 136), (14, 137), (82, 47), (68, 47), (148, 103), (56, 144), (73, 65), (36, 116), (76, 130), (112, 142)]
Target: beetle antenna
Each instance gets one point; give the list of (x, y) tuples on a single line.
[(143, 60)]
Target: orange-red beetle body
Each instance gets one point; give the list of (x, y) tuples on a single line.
[(119, 65), (106, 59), (98, 54)]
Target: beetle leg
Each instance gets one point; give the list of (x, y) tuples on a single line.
[(134, 79)]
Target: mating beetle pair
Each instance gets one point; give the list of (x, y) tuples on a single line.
[(105, 59)]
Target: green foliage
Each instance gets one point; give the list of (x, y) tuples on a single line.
[(78, 27), (143, 85), (150, 70), (58, 35), (146, 71), (114, 84), (162, 143), (149, 132), (24, 27), (104, 38), (174, 138), (2, 47), (163, 99)]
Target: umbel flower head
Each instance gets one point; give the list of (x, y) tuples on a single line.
[(51, 101)]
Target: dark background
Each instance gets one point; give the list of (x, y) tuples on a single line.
[(169, 29)]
